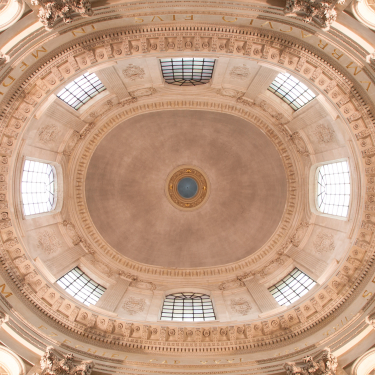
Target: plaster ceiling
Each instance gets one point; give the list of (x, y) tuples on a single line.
[(126, 179)]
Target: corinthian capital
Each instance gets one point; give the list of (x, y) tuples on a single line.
[(321, 12), (51, 10)]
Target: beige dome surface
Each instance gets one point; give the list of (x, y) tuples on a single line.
[(125, 188)]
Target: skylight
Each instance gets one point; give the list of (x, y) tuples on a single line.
[(188, 307), (333, 193), (81, 287), (291, 287), (291, 90), (81, 90), (187, 71), (37, 187)]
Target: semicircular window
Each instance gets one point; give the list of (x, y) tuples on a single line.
[(81, 90), (291, 90), (188, 307), (333, 191), (292, 287), (187, 71), (38, 187)]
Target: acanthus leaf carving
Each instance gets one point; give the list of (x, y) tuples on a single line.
[(229, 92), (271, 267), (142, 92), (240, 306), (323, 242), (232, 284), (48, 133), (143, 284), (133, 72), (299, 233), (239, 72), (51, 365), (72, 233), (300, 144), (321, 12), (324, 133), (71, 143), (48, 241), (327, 365), (101, 111), (134, 305), (51, 10)]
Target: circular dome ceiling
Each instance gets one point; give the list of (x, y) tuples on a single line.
[(127, 174)]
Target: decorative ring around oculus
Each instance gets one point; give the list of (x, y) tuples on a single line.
[(188, 175)]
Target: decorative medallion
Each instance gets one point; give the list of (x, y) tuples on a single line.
[(133, 72), (323, 242), (240, 72), (134, 305), (324, 133), (187, 187), (240, 306)]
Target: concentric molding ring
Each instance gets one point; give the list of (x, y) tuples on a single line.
[(82, 157), (171, 188)]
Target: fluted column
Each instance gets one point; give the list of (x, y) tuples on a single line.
[(261, 295), (112, 297)]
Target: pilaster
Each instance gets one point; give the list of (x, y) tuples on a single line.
[(113, 82), (261, 295), (112, 297)]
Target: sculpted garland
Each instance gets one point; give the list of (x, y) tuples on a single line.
[(36, 288)]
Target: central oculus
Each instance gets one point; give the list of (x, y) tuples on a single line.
[(187, 187)]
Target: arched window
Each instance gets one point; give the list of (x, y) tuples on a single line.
[(11, 363), (188, 307), (333, 189), (291, 90), (81, 90), (38, 187), (187, 71), (81, 286), (291, 287)]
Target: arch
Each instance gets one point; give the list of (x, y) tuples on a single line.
[(11, 362), (38, 187), (364, 364), (330, 189)]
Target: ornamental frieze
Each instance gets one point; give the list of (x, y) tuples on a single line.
[(319, 307)]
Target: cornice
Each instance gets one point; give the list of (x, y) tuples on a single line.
[(33, 87)]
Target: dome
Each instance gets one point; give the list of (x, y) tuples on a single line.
[(187, 187)]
